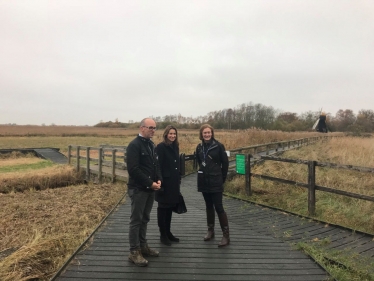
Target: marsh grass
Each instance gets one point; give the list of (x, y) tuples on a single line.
[(26, 166), (340, 264), (353, 213), (39, 230), (59, 137), (335, 209), (41, 226), (40, 179)]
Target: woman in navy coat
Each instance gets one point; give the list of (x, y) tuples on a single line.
[(167, 197)]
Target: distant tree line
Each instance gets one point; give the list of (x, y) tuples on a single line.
[(264, 117)]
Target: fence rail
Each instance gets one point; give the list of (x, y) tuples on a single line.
[(110, 160), (97, 165), (311, 185)]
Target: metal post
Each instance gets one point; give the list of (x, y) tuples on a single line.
[(311, 187)]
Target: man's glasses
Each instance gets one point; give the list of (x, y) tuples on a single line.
[(150, 128)]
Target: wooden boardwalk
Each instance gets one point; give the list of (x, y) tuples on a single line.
[(254, 253)]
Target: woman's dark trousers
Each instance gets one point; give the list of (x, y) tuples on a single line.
[(164, 216), (213, 202)]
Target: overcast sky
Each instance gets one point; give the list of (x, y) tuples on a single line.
[(82, 61)]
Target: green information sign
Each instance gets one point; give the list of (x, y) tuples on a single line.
[(240, 164)]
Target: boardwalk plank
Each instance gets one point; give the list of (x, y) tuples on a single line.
[(254, 253)]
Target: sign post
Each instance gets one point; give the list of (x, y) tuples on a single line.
[(240, 164), (243, 167)]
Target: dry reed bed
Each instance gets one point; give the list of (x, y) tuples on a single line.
[(354, 213), (39, 230), (52, 177), (57, 136), (29, 130)]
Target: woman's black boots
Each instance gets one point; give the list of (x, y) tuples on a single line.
[(210, 217), (225, 230), (161, 219), (169, 213)]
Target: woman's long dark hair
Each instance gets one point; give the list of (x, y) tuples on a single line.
[(165, 135)]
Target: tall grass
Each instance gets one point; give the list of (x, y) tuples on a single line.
[(336, 209), (56, 136), (353, 213), (39, 230)]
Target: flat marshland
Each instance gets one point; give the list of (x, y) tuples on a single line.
[(355, 214), (42, 225), (337, 209)]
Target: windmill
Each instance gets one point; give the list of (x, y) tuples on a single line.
[(320, 124)]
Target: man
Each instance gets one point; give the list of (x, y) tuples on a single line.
[(144, 179)]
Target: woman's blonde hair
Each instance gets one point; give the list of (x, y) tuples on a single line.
[(202, 128), (166, 132)]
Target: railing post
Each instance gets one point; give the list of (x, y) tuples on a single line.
[(100, 164), (182, 163), (69, 154), (88, 172), (248, 188), (267, 149), (194, 160), (114, 165), (78, 157), (312, 188)]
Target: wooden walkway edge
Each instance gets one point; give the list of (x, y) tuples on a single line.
[(254, 252)]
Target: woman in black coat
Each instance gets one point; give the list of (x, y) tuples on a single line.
[(167, 197), (212, 173)]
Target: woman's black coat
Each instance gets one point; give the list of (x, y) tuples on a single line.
[(168, 158), (212, 175)]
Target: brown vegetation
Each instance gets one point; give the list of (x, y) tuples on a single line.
[(62, 131), (61, 137), (52, 177), (337, 209), (39, 230)]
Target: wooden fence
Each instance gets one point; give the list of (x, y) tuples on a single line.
[(267, 148), (105, 164), (109, 160), (311, 185), (99, 165)]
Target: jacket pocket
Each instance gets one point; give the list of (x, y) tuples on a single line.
[(215, 180), (200, 179)]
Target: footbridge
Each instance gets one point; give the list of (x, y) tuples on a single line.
[(255, 253)]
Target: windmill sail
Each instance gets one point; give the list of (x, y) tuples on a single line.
[(315, 124)]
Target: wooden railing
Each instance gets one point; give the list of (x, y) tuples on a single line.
[(311, 185), (105, 164), (267, 148), (109, 160), (99, 165)]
